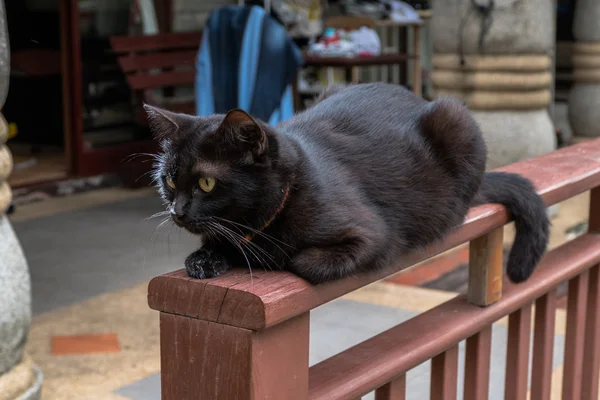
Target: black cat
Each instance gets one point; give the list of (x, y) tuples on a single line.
[(368, 174)]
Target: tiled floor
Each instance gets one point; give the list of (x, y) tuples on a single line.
[(94, 336)]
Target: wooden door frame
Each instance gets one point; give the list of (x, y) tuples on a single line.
[(82, 161), (72, 96)]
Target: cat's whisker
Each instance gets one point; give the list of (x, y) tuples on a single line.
[(169, 239), (133, 156), (258, 232), (144, 174), (154, 237), (158, 214), (242, 242), (238, 246), (269, 238), (240, 238), (158, 228), (257, 247)]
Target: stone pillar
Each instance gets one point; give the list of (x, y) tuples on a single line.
[(19, 377), (584, 97), (504, 76)]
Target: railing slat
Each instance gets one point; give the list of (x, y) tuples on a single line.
[(574, 341), (374, 362), (485, 268), (594, 220), (591, 357), (517, 354), (543, 346), (394, 390), (444, 375), (477, 365)]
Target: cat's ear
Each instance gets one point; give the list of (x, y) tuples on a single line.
[(240, 128), (163, 123)]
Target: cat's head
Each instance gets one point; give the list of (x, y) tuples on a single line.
[(214, 168)]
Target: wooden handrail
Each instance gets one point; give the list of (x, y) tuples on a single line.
[(138, 43), (266, 299), (370, 364)]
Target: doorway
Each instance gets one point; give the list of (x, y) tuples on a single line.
[(34, 105)]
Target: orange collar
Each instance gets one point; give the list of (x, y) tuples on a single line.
[(286, 193)]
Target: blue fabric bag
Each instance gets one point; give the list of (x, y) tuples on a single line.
[(246, 60)]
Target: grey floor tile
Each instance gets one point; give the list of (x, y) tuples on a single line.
[(144, 389), (78, 255)]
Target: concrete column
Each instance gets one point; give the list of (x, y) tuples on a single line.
[(19, 377), (584, 97), (504, 76)]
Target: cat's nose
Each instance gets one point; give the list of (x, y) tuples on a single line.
[(177, 209), (177, 213), (176, 216)]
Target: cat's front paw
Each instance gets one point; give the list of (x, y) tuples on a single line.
[(205, 263)]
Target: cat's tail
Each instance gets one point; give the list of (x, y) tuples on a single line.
[(527, 208)]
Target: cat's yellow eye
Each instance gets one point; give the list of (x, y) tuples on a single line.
[(206, 184), (170, 182)]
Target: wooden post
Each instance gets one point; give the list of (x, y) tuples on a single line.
[(444, 374), (394, 390), (219, 340), (477, 365), (575, 337), (543, 346), (517, 354), (485, 268), (594, 220), (591, 356), (208, 360)]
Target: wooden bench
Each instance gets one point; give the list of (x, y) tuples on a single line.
[(163, 61), (242, 337)]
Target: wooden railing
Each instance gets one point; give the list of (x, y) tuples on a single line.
[(238, 338)]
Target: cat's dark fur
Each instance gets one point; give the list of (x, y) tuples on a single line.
[(373, 172)]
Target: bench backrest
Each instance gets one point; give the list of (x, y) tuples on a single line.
[(162, 61)]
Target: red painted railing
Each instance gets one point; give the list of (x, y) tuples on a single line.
[(236, 338)]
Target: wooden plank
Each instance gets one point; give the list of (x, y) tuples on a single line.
[(379, 359), (137, 43), (281, 295), (394, 390), (591, 356), (206, 360), (64, 10), (543, 346), (477, 365), (575, 336), (162, 79), (137, 62), (444, 375), (517, 354), (485, 268), (74, 79)]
